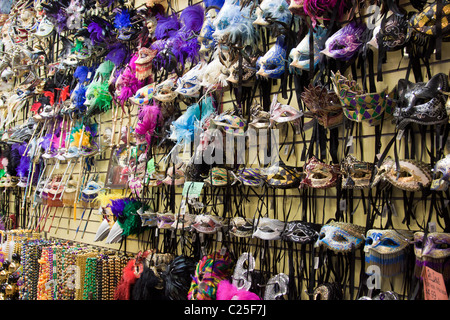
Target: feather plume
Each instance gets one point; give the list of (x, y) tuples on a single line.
[(96, 33), (149, 118), (130, 84), (177, 277), (104, 199), (81, 73), (192, 18), (128, 279), (167, 26), (24, 167), (122, 19), (118, 53), (227, 291), (147, 287)]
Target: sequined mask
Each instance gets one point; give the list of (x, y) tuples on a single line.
[(300, 232), (323, 105), (320, 175), (144, 62), (441, 174), (422, 103), (341, 236), (272, 64), (387, 250), (433, 252), (268, 229), (356, 174)]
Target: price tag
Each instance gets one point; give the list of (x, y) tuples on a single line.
[(192, 189), (433, 285), (151, 166)]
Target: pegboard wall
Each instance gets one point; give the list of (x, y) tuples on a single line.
[(409, 211)]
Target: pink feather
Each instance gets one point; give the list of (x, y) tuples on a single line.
[(227, 291), (149, 118)]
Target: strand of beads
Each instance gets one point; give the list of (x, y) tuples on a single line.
[(90, 283)]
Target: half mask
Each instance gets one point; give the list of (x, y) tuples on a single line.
[(433, 251), (190, 83), (273, 12), (282, 176), (345, 43), (319, 175), (441, 175), (208, 224), (425, 21), (250, 177), (268, 229), (175, 175), (272, 64), (356, 174), (341, 236), (241, 227), (300, 55), (219, 177), (300, 232)]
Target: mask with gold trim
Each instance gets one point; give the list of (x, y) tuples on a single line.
[(320, 175), (433, 251)]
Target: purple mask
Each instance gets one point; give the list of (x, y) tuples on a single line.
[(432, 251), (344, 44)]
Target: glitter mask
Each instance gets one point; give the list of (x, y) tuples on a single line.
[(268, 229), (250, 177), (433, 252), (387, 250), (175, 178), (281, 176), (219, 177), (230, 124), (241, 227), (144, 62), (356, 174), (300, 54), (273, 11), (320, 175), (272, 64), (323, 105), (340, 236), (345, 43), (165, 91), (300, 232), (248, 71), (190, 83), (425, 21), (165, 220), (441, 175), (208, 224), (422, 103), (242, 275), (281, 113), (393, 34), (411, 176), (144, 95), (277, 287), (358, 106)]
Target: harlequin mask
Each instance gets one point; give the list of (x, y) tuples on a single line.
[(144, 62), (433, 252), (165, 91), (441, 174), (411, 176), (341, 236), (230, 123), (272, 64), (300, 54), (144, 95), (282, 177), (250, 177), (356, 174), (300, 232), (393, 34), (359, 106), (190, 83), (165, 220), (268, 229), (177, 177), (320, 175), (345, 43), (209, 224), (324, 105), (425, 21), (241, 227), (219, 177), (422, 103), (273, 11), (386, 249)]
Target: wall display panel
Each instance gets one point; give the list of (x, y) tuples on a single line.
[(138, 131)]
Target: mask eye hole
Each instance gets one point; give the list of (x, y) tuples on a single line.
[(322, 235), (404, 174), (442, 246), (389, 243), (418, 244), (339, 238), (369, 241), (319, 175)]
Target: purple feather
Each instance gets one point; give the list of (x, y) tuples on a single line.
[(167, 26), (24, 167), (122, 19), (45, 143), (118, 53), (117, 206), (96, 33), (192, 18)]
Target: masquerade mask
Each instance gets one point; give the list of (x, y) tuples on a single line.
[(422, 103), (190, 84), (260, 118), (328, 291), (44, 29), (320, 175), (242, 276), (91, 191), (358, 106), (165, 220), (426, 20), (386, 249), (248, 70), (143, 95), (300, 232), (230, 123), (411, 176), (276, 287), (177, 177), (268, 229), (215, 75), (272, 64), (205, 38), (393, 34), (281, 113), (219, 177), (282, 177), (432, 251), (324, 105), (273, 11), (144, 62), (356, 174), (165, 91), (208, 224), (441, 174), (250, 177), (340, 236), (241, 227), (300, 54), (183, 221), (345, 43)]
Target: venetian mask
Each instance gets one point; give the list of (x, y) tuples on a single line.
[(144, 95), (205, 38), (387, 249), (300, 55), (250, 177), (433, 251), (393, 34), (268, 229), (175, 175), (441, 174), (241, 227), (165, 220), (190, 83), (422, 103), (230, 124), (320, 175), (345, 43), (215, 75), (281, 176), (356, 174), (273, 11), (247, 70), (341, 236), (411, 176), (165, 91), (281, 113), (219, 177), (323, 105), (208, 224), (272, 64), (45, 28), (144, 62), (425, 21), (300, 232)]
